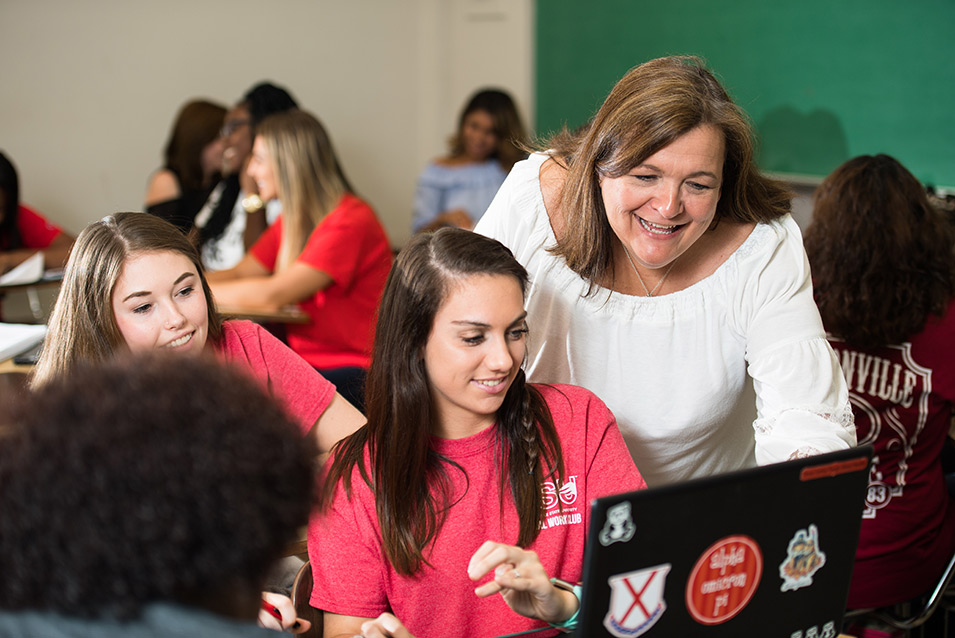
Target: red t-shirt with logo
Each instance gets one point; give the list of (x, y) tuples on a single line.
[(902, 398), (353, 577)]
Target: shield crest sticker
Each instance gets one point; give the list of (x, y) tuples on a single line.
[(636, 601)]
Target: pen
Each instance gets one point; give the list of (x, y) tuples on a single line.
[(275, 613), (272, 609)]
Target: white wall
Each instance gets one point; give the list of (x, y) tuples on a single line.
[(89, 89)]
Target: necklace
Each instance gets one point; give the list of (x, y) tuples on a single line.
[(637, 273)]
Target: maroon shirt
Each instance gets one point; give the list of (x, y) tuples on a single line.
[(902, 398)]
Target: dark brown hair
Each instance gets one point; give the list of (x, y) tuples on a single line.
[(148, 478), (197, 125), (649, 108), (410, 480), (511, 136), (10, 185), (881, 255)]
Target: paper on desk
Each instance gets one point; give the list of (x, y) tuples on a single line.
[(29, 271), (19, 337)]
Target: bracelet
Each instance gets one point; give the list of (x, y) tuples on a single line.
[(253, 203), (571, 623)]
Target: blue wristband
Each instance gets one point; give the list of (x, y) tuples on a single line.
[(571, 623)]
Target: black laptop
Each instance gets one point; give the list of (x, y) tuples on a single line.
[(764, 552)]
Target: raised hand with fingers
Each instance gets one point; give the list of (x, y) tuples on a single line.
[(519, 577)]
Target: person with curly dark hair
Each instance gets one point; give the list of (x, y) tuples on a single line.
[(136, 505), (884, 275)]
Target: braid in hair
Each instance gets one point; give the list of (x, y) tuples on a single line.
[(528, 442), (530, 426)]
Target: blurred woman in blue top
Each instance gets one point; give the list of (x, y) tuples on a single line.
[(456, 189)]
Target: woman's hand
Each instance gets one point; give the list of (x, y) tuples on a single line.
[(520, 578), (384, 626), (289, 622)]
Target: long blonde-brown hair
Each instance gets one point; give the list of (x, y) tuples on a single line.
[(648, 109), (82, 324), (309, 179)]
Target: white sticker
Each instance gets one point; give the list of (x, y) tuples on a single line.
[(804, 559), (636, 601), (619, 527)]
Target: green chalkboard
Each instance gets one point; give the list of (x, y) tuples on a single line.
[(822, 80)]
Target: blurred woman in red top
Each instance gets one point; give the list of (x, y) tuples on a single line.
[(22, 230), (328, 252)]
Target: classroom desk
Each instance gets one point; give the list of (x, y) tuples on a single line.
[(49, 280), (285, 314), (7, 366)]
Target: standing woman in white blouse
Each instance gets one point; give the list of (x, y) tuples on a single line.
[(668, 278)]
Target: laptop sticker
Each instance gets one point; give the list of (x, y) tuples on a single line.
[(636, 601), (803, 560), (828, 631), (619, 527), (724, 579)]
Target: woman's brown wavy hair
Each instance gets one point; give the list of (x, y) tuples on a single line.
[(882, 257), (648, 109)]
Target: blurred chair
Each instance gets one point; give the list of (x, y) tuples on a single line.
[(301, 592), (915, 613)]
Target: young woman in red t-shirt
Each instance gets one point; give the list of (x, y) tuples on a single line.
[(327, 252)]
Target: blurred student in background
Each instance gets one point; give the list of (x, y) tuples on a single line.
[(884, 276), (456, 189), (233, 215), (23, 231), (192, 160), (328, 252)]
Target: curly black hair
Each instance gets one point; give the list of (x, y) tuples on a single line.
[(143, 479)]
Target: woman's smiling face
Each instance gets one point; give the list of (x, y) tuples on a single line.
[(476, 346), (663, 206), (158, 302)]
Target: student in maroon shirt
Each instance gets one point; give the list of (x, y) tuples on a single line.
[(884, 277)]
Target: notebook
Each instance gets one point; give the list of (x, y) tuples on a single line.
[(17, 337), (763, 552)]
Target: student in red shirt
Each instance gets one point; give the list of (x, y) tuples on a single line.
[(135, 283), (23, 231), (466, 482), (327, 252)]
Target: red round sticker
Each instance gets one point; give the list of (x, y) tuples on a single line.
[(724, 579)]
